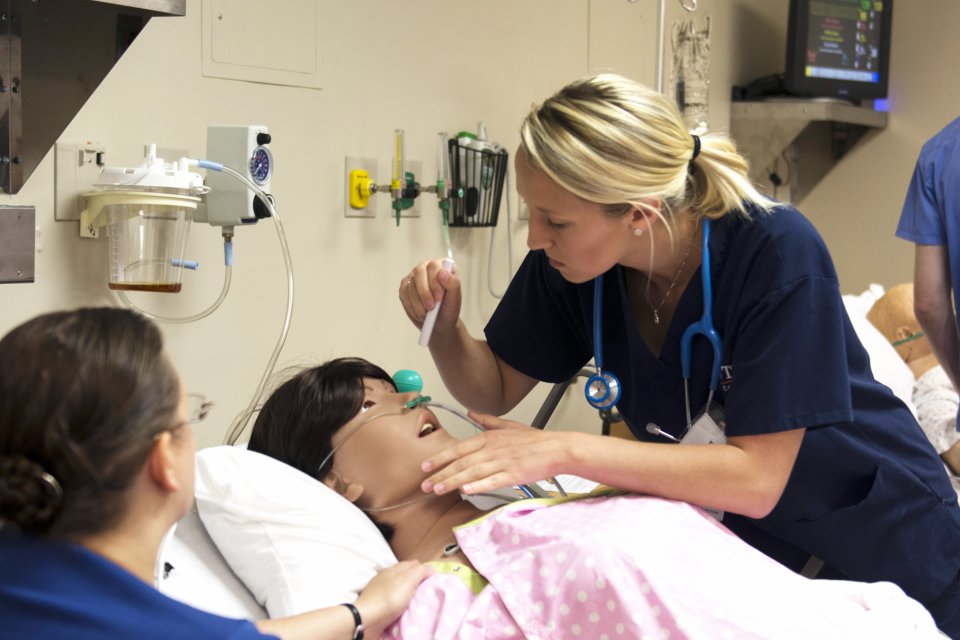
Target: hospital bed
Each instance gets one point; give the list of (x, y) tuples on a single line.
[(268, 541), (272, 542)]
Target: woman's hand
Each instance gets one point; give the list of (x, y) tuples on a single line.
[(388, 594), (424, 287), (504, 455), (382, 602)]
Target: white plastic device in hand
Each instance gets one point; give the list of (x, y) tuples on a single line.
[(431, 318)]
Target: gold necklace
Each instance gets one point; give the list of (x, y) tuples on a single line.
[(676, 278)]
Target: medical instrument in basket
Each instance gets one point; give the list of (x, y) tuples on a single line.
[(431, 318), (602, 389)]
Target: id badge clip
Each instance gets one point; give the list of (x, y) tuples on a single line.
[(708, 428)]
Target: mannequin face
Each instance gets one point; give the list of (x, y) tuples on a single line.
[(382, 447), (581, 240)]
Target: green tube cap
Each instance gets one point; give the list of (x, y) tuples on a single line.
[(408, 380)]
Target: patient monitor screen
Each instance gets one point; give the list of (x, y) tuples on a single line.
[(844, 39)]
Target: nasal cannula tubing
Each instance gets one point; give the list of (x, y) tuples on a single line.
[(412, 404)]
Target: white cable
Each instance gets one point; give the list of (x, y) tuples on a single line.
[(240, 422), (227, 277)]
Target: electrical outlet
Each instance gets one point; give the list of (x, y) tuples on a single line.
[(77, 169), (370, 166)]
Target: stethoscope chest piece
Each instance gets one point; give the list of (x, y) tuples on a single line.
[(602, 390)]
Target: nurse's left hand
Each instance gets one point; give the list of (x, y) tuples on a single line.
[(506, 454)]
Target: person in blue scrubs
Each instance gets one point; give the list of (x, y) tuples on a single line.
[(96, 465), (821, 463), (931, 219)]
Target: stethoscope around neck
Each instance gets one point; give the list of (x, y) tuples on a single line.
[(603, 388)]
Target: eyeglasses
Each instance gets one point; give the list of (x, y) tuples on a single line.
[(198, 406)]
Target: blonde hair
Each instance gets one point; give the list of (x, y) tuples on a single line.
[(615, 142)]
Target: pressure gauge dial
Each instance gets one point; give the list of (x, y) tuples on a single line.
[(261, 165)]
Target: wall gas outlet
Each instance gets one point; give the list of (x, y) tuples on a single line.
[(77, 169), (369, 167)]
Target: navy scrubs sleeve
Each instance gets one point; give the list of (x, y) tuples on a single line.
[(538, 327), (790, 362)]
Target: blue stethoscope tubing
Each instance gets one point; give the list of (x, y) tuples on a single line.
[(603, 388), (703, 326)]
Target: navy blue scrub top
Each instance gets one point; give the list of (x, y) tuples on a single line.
[(868, 494)]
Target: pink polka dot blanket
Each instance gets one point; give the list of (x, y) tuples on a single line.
[(637, 567)]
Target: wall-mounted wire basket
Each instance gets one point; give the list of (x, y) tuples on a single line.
[(477, 178)]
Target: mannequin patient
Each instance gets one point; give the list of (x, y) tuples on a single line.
[(548, 566), (934, 396)]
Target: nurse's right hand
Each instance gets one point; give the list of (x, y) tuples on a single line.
[(424, 287)]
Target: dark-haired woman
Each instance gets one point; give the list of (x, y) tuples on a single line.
[(96, 465)]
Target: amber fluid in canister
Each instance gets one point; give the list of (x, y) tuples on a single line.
[(155, 287)]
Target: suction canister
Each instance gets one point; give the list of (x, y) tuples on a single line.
[(147, 213)]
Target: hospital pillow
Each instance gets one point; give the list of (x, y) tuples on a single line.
[(295, 543), (191, 569), (887, 365)]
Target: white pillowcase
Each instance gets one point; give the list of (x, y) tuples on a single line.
[(887, 365), (198, 574), (295, 543)]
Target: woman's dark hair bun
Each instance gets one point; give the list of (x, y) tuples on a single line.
[(29, 496)]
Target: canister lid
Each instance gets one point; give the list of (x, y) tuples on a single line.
[(153, 175)]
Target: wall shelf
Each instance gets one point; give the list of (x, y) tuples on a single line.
[(813, 134), (53, 55)]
